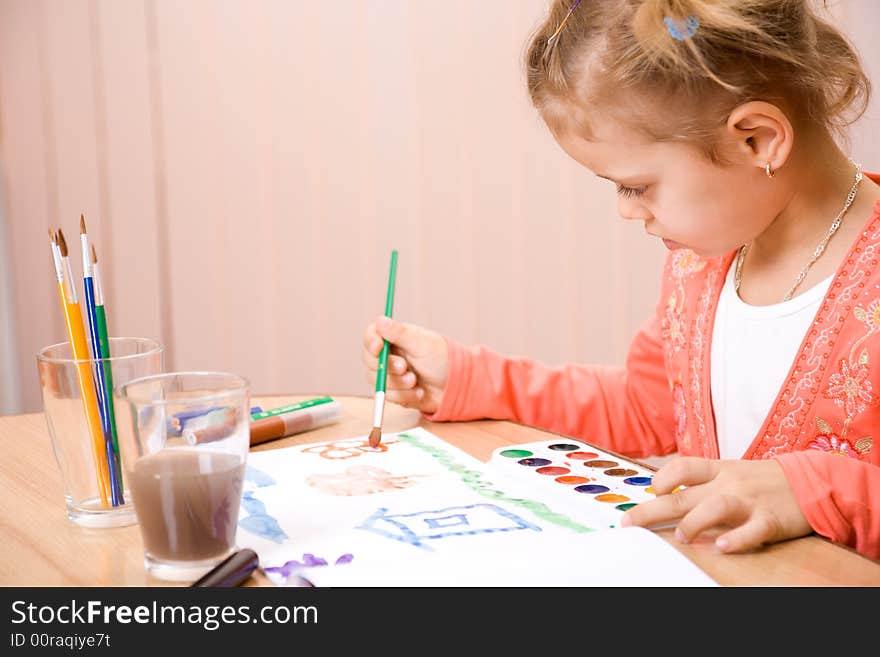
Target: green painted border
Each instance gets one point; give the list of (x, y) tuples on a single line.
[(475, 481)]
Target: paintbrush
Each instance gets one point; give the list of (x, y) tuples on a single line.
[(104, 355), (90, 302), (382, 371), (79, 348)]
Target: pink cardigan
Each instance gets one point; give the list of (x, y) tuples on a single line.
[(820, 428)]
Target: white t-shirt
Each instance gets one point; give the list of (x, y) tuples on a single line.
[(753, 349)]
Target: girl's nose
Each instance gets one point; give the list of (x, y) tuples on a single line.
[(632, 209)]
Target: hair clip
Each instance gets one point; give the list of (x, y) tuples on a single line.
[(690, 28), (562, 24)]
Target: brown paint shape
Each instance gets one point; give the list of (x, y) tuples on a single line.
[(621, 472), (601, 464), (361, 480)]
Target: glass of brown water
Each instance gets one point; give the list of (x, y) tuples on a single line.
[(185, 439)]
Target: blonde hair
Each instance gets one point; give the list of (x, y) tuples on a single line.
[(678, 67)]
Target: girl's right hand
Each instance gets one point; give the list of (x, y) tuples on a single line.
[(417, 363)]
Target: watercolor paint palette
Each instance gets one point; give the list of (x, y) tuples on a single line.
[(579, 475)]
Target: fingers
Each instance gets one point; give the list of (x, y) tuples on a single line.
[(750, 501), (697, 515), (670, 506), (758, 530), (396, 364), (684, 471), (712, 512), (394, 382), (372, 340), (372, 348), (370, 334), (406, 336), (666, 508), (409, 398), (400, 378), (405, 382)]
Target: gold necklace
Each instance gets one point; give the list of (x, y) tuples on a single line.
[(737, 275)]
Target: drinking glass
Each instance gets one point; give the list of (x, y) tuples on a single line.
[(186, 439)]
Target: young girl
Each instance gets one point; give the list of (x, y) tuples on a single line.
[(761, 364)]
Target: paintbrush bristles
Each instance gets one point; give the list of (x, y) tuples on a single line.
[(375, 436), (94, 255), (51, 236), (82, 224), (62, 243)]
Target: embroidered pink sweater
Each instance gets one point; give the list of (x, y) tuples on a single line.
[(820, 427)]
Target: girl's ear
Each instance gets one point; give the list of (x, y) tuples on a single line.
[(760, 134)]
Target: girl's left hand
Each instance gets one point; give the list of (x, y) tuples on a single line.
[(752, 498)]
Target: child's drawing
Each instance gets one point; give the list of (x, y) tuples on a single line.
[(361, 480), (259, 522), (258, 478), (414, 528), (309, 560), (347, 449)]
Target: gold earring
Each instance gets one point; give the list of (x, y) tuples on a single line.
[(770, 172)]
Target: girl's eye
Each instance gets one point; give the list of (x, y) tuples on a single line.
[(631, 192)]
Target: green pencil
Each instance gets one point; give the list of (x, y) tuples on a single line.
[(382, 372)]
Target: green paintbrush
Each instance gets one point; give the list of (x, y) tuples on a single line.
[(382, 372)]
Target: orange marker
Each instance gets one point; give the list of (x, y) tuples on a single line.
[(298, 421)]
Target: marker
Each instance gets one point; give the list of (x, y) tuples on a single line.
[(222, 423), (232, 571), (294, 421), (281, 410), (194, 420), (216, 425)]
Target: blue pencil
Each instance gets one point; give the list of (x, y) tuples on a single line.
[(116, 494)]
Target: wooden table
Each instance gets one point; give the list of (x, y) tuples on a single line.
[(40, 547)]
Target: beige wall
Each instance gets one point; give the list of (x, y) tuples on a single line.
[(246, 167)]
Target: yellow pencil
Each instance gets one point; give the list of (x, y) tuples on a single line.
[(76, 333)]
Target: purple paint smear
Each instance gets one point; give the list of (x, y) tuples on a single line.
[(309, 560)]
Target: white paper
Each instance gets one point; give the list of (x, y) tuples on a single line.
[(630, 556), (420, 512)]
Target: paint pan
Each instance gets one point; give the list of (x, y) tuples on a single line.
[(596, 486)]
